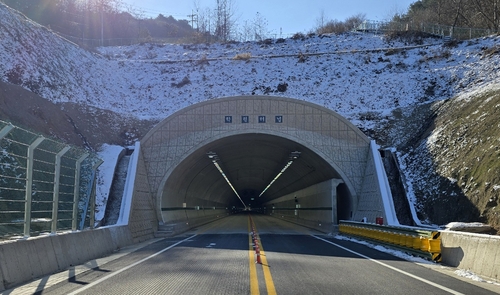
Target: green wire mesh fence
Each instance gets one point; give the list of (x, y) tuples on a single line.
[(46, 186)]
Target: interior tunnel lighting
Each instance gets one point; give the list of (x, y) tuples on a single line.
[(293, 156), (215, 159)]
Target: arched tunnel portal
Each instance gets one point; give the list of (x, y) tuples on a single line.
[(223, 155)]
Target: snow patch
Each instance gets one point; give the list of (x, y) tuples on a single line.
[(110, 154), (472, 276)]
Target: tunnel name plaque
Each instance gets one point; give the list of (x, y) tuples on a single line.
[(260, 119)]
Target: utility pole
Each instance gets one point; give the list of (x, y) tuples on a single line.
[(193, 16)]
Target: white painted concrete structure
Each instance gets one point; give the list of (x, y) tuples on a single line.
[(253, 137)]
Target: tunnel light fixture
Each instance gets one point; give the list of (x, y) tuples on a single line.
[(215, 159), (293, 156), (213, 156)]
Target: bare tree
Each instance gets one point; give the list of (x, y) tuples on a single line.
[(457, 13), (205, 22), (321, 20), (260, 27), (354, 21), (218, 22), (224, 19), (107, 6), (246, 32), (489, 12), (336, 26)]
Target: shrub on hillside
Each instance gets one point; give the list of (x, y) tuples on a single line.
[(182, 83), (242, 56), (334, 26), (452, 43), (340, 27), (299, 36), (489, 51), (410, 37)]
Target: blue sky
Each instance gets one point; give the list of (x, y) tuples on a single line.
[(286, 16)]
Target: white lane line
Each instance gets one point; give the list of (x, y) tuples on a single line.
[(393, 268), (127, 267)]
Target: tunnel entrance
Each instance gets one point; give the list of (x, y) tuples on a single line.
[(250, 162), (252, 138), (344, 205)]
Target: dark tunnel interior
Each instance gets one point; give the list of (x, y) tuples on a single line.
[(250, 162)]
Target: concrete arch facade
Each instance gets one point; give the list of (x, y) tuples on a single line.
[(182, 140)]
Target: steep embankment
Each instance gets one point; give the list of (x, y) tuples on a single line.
[(76, 124), (455, 166), (361, 76), (39, 69)]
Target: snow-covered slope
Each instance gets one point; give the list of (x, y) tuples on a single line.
[(371, 80), (352, 74)]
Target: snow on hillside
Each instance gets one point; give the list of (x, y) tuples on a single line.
[(356, 75), (363, 77)]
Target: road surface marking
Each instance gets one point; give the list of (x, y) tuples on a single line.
[(128, 267), (271, 290), (254, 281), (393, 268)]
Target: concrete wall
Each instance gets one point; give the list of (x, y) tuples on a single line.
[(24, 260), (318, 206), (143, 215), (375, 199), (475, 252), (339, 142)]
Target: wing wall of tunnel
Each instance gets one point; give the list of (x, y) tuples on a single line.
[(173, 142)]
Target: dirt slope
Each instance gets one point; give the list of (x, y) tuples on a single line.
[(71, 123)]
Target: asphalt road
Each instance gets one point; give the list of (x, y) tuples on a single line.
[(219, 258)]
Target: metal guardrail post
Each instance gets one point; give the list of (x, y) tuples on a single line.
[(76, 192), (55, 198), (93, 194), (29, 184)]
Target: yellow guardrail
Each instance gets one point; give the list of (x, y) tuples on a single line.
[(417, 241)]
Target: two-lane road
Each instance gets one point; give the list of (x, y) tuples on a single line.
[(219, 258)]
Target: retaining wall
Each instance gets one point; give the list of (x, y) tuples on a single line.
[(475, 252), (27, 259)]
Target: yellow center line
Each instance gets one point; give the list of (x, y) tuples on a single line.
[(254, 283), (271, 290)]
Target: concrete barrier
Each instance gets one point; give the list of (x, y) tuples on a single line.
[(478, 253), (24, 260), (27, 259)]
